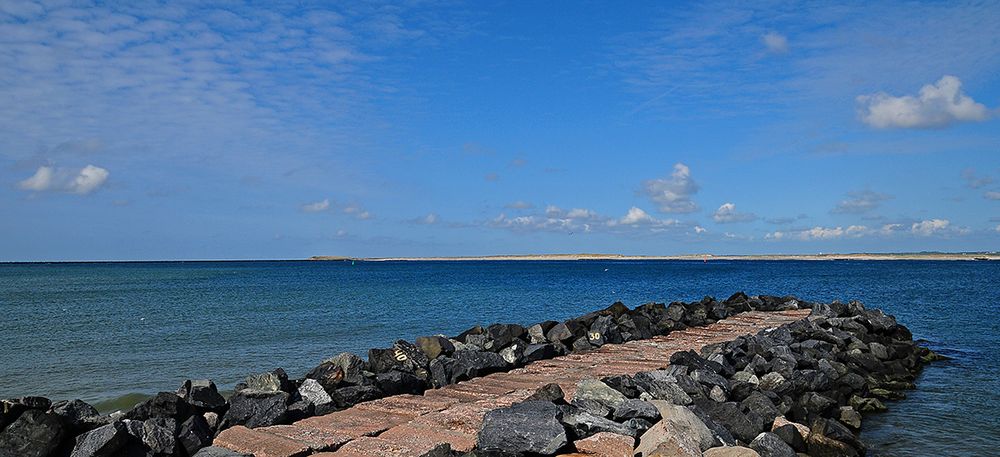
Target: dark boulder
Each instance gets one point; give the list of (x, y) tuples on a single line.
[(440, 371), (583, 344), (604, 330), (662, 385), (505, 334), (760, 404), (565, 331), (635, 408), (582, 424), (34, 433), (549, 392), (157, 436), (253, 408), (536, 333), (163, 404), (402, 356), (624, 384), (730, 416), (397, 382), (346, 397), (791, 435), (770, 445), (338, 371), (203, 395), (434, 346), (102, 441), (477, 330), (529, 427), (194, 434), (472, 364), (514, 353), (78, 415)]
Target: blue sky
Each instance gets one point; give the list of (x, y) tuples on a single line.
[(184, 131)]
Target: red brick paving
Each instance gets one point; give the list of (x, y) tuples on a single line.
[(418, 425)]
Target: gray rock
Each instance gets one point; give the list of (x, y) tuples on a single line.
[(402, 356), (594, 390), (264, 382), (202, 394), (747, 377), (850, 417), (536, 333), (731, 451), (253, 408), (582, 424), (512, 354), (158, 436), (563, 331), (661, 385), (78, 414), (504, 334), (770, 445), (592, 407), (102, 441), (34, 433), (313, 392), (682, 420), (194, 434), (549, 392), (213, 451), (771, 381), (634, 408), (529, 427), (163, 404)]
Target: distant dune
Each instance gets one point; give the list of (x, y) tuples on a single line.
[(700, 257)]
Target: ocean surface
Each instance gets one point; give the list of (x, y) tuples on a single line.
[(109, 333)]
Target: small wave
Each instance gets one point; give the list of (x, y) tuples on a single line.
[(122, 403)]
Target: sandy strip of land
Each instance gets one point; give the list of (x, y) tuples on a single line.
[(699, 257)]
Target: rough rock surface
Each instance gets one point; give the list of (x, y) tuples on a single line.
[(34, 433), (529, 427)]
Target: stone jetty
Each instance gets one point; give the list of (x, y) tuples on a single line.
[(746, 376)]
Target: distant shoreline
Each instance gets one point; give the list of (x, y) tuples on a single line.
[(696, 257)]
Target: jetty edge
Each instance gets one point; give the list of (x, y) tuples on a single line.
[(801, 380)]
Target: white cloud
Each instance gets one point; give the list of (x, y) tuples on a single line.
[(997, 228), (821, 233), (937, 105), (673, 194), (727, 214), (973, 180), (41, 180), (775, 42), (580, 213), (636, 216), (584, 220), (930, 227), (88, 180), (317, 207), (78, 181), (860, 202), (358, 212), (429, 219), (992, 195), (520, 204), (699, 229)]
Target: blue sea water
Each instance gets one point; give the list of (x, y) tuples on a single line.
[(102, 331)]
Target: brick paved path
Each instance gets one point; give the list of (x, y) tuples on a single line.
[(413, 425)]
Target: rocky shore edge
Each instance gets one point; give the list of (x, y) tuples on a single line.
[(824, 371)]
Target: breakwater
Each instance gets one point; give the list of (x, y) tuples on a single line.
[(181, 423)]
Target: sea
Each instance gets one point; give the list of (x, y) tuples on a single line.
[(113, 333)]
